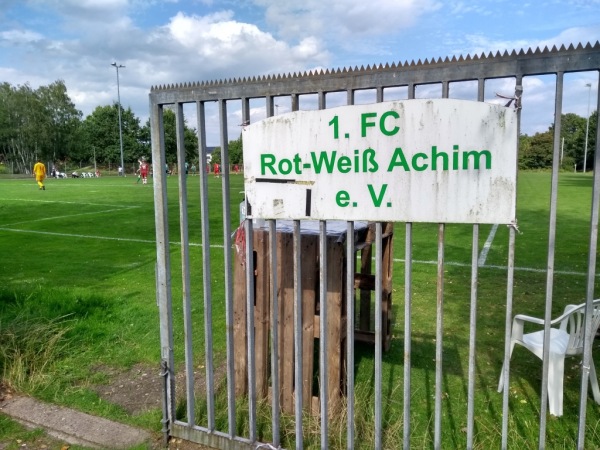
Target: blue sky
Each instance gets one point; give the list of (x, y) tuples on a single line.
[(170, 41)]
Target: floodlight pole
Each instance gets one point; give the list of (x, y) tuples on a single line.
[(119, 66), (587, 127)]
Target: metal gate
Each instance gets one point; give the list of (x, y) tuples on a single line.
[(198, 336)]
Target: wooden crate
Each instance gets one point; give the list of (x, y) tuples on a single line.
[(311, 306)]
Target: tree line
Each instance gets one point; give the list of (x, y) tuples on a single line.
[(536, 152), (44, 123)]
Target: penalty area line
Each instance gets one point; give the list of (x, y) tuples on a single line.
[(496, 267), (486, 247), (68, 216), (105, 238)]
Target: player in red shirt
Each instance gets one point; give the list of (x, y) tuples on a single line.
[(144, 168)]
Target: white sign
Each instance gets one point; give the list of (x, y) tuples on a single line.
[(443, 160)]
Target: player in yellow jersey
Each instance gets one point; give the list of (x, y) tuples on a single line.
[(39, 170)]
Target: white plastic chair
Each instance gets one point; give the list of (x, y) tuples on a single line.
[(566, 340)]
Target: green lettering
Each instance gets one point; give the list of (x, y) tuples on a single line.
[(342, 198), (415, 164), (476, 158), (344, 164), (285, 166), (323, 160), (382, 127), (455, 157), (398, 159), (297, 164), (369, 163), (377, 199), (267, 161), (434, 157), (334, 122), (364, 124)]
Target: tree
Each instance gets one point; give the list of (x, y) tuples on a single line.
[(573, 133), (36, 123), (62, 120), (190, 138), (100, 135), (536, 152), (235, 150)]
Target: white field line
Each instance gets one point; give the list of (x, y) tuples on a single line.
[(70, 215), (106, 238), (486, 247), (192, 244), (497, 267), (64, 202)]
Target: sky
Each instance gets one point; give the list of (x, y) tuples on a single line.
[(174, 41)]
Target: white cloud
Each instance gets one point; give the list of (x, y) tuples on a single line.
[(573, 36), (18, 37), (478, 43), (343, 19), (216, 41)]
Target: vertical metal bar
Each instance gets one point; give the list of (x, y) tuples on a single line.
[(185, 266), (295, 102), (208, 333), (591, 278), (350, 97), (350, 296), (270, 104), (510, 277), (472, 337), (163, 272), (510, 283), (411, 90), (323, 341), (250, 293), (445, 89), (275, 389), (378, 337), (298, 334), (250, 329), (481, 89), (322, 98), (379, 94), (407, 330), (439, 339), (228, 265), (550, 265), (473, 314)]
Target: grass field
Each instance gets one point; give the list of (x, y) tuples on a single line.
[(77, 280)]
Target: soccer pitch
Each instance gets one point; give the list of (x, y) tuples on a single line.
[(84, 249)]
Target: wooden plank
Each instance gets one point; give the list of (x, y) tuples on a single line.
[(261, 310), (310, 285), (285, 281), (240, 337), (335, 262), (386, 279), (366, 254)]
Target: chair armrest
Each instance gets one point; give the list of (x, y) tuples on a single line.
[(518, 324), (524, 318)]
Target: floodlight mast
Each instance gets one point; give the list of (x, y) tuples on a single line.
[(587, 127), (120, 66)]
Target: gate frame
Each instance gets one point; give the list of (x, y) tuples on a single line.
[(477, 68)]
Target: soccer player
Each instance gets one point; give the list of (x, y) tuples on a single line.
[(39, 170), (144, 168)]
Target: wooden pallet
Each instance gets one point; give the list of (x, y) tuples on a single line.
[(311, 305)]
